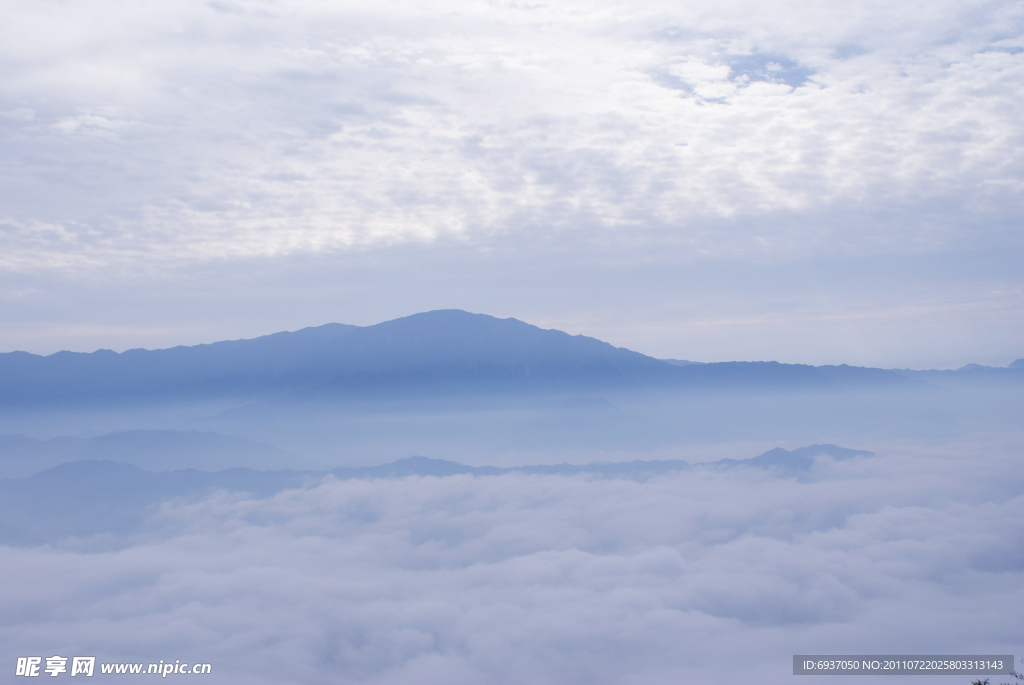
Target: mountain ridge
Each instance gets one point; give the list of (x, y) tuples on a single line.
[(431, 353), (431, 348), (90, 497), (150, 449)]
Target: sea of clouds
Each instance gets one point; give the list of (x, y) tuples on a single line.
[(688, 577)]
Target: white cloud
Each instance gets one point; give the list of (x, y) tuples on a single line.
[(550, 579), (240, 129)]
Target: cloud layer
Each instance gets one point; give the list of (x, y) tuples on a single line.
[(199, 130), (511, 579)]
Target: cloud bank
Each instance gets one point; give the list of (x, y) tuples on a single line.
[(170, 133), (549, 579)]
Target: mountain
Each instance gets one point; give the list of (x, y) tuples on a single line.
[(446, 351), (235, 367), (970, 375), (447, 348), (154, 450), (800, 459), (85, 498)]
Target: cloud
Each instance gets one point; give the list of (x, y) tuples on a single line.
[(197, 131), (549, 579)]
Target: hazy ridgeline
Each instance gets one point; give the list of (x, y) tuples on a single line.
[(644, 541), (480, 390)]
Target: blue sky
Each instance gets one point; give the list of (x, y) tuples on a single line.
[(809, 182)]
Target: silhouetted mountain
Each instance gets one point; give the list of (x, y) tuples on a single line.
[(785, 376), (153, 450), (417, 466), (800, 459), (235, 367), (969, 375), (84, 498), (440, 352)]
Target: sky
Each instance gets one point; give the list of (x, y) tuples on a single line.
[(812, 182), (703, 576)]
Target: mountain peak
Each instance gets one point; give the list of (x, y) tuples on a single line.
[(440, 352)]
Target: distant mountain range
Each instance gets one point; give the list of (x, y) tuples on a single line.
[(971, 374), (90, 497), (439, 352), (154, 450)]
